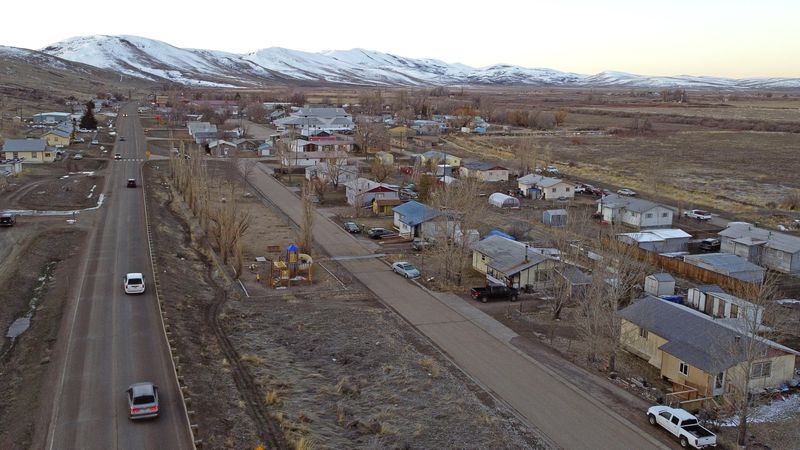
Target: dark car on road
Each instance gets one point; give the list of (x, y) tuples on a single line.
[(483, 294), (7, 220), (131, 182), (378, 233), (351, 227)]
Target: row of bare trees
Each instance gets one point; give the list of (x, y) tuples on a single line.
[(223, 219)]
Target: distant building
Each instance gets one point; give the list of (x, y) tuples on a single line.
[(29, 150), (634, 212), (771, 249), (51, 118), (729, 265), (313, 121), (661, 240)]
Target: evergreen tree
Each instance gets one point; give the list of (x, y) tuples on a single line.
[(87, 120)]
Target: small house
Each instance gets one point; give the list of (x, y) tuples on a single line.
[(484, 171), (577, 282), (728, 265), (659, 284), (336, 174), (305, 159), (546, 188), (634, 212), (501, 200), (409, 217), (555, 217), (662, 240), (264, 149), (51, 118), (28, 150), (361, 192), (511, 263), (715, 302), (221, 147), (428, 158), (385, 206), (57, 137)]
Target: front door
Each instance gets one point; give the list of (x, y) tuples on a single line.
[(719, 384)]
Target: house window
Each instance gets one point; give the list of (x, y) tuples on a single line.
[(553, 190), (648, 215), (719, 380), (34, 155), (642, 333), (664, 214), (734, 311), (567, 189), (761, 369), (684, 369), (47, 155), (16, 155)]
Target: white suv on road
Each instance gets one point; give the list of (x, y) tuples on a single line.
[(133, 283)]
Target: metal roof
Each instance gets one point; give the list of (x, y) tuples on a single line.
[(662, 276), (540, 180), (727, 262), (751, 235), (481, 165), (670, 233), (414, 213), (630, 203), (507, 256), (24, 145)]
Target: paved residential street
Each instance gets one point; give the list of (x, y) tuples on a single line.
[(564, 414)]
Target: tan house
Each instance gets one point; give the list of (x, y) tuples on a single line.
[(483, 171), (701, 356), (385, 206), (29, 150), (511, 263), (57, 137)]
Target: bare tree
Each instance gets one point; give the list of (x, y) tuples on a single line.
[(461, 208), (381, 170), (371, 136), (306, 236)]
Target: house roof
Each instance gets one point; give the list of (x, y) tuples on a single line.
[(663, 277), (774, 239), (59, 133), (634, 204), (221, 142), (670, 233), (539, 180), (24, 145), (575, 275), (709, 288), (507, 256), (366, 185), (692, 337), (481, 165), (414, 213), (724, 261), (642, 237)]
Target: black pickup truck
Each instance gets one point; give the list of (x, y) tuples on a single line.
[(491, 292)]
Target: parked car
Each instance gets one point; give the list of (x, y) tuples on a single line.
[(585, 189), (122, 138), (697, 214), (131, 182), (627, 192), (133, 283), (709, 245), (405, 269), (95, 142), (378, 233), (492, 292), (351, 227), (552, 170), (683, 425), (77, 156), (142, 400), (8, 219), (420, 244)]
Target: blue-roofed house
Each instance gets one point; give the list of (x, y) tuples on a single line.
[(29, 150), (410, 216)]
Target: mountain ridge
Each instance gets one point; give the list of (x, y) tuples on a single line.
[(159, 61)]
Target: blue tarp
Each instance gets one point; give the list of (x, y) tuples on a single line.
[(498, 233)]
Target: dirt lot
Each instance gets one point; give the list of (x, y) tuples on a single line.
[(325, 362)]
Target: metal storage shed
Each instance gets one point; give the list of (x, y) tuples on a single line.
[(555, 217), (503, 201)]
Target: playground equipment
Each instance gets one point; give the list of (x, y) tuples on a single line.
[(291, 266)]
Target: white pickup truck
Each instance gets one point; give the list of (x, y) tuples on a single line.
[(682, 424), (698, 214)]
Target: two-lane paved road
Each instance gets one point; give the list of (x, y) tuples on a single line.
[(114, 339), (557, 409)]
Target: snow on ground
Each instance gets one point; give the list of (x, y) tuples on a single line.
[(775, 411)]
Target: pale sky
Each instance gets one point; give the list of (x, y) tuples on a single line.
[(730, 38)]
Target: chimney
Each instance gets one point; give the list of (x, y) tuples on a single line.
[(526, 252)]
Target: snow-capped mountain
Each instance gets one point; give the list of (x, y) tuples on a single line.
[(158, 61)]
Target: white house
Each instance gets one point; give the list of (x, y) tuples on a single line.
[(342, 172), (547, 188), (313, 121), (771, 249), (410, 216), (661, 240), (715, 302), (304, 159), (634, 212), (362, 191)]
